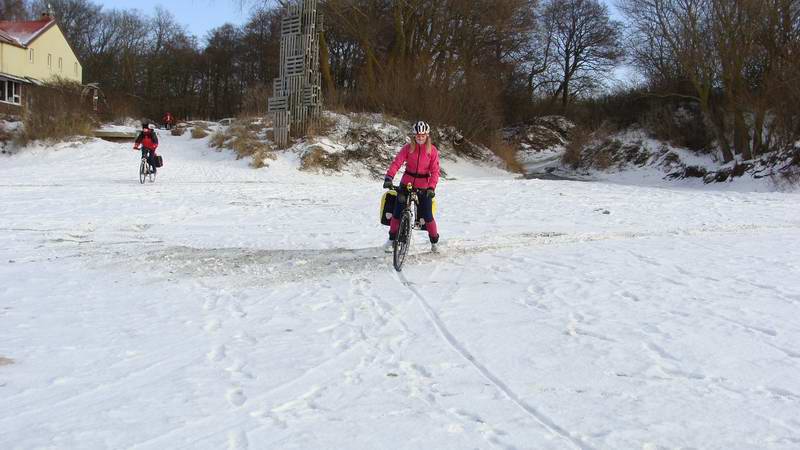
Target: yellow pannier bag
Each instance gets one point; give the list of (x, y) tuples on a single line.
[(388, 200)]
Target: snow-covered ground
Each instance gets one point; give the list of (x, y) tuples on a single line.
[(228, 307)]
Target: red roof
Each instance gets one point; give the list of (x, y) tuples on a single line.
[(24, 32)]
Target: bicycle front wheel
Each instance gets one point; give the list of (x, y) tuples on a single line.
[(402, 242), (142, 171)]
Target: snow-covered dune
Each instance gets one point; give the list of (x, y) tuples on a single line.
[(228, 307)]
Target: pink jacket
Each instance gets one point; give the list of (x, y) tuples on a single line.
[(418, 162)]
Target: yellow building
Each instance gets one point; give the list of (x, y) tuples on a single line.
[(33, 52)]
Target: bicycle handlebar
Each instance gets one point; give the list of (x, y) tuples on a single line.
[(406, 188)]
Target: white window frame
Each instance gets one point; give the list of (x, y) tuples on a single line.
[(12, 89), (60, 64), (30, 56), (49, 60)]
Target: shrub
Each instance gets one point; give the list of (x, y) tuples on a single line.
[(5, 135), (602, 159), (178, 131), (581, 137), (56, 113), (572, 154), (505, 151)]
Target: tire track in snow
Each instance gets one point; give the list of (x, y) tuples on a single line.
[(270, 266), (451, 340)]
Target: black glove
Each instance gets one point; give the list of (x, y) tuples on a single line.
[(430, 193), (387, 183)]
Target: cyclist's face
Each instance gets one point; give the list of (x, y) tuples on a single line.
[(421, 138)]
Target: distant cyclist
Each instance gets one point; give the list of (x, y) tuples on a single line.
[(168, 120), (422, 171), (148, 140)]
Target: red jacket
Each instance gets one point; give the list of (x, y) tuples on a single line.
[(422, 169), (147, 139)]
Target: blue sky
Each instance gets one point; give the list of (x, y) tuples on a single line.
[(198, 16)]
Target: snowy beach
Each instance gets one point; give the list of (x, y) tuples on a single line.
[(228, 307)]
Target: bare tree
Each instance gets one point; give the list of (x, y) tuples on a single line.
[(581, 45), (443, 59), (78, 19), (735, 53), (14, 10)]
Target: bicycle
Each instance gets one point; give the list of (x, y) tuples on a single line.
[(408, 222), (146, 170)]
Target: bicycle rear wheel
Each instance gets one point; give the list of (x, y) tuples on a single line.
[(142, 171), (402, 242)]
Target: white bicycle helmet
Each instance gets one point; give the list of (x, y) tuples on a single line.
[(421, 128)]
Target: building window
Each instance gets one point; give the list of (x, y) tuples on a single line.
[(30, 55), (60, 64), (10, 92), (49, 60)]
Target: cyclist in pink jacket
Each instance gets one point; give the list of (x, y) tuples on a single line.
[(422, 171)]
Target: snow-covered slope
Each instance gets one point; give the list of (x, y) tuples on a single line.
[(365, 144), (227, 307), (633, 157)]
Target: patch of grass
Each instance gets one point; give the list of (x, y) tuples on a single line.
[(360, 120), (247, 146), (323, 127), (260, 157), (245, 143), (199, 133), (218, 139), (178, 131), (316, 159), (254, 125)]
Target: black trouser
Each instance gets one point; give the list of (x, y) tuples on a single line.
[(150, 154), (425, 205)]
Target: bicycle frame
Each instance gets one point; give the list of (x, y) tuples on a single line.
[(408, 223), (146, 171)]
